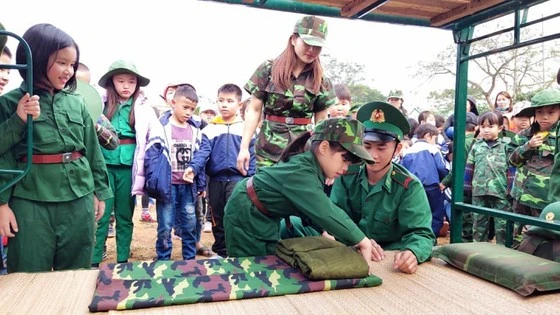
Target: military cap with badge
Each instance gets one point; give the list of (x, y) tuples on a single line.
[(383, 122)]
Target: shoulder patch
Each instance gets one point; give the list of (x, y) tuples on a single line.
[(401, 178)]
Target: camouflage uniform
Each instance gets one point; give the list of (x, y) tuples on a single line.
[(534, 167), (486, 177), (300, 100), (554, 190), (543, 242), (294, 187)]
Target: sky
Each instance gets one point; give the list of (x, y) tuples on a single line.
[(208, 43)]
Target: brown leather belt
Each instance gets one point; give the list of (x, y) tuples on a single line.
[(127, 141), (54, 158), (253, 196), (289, 120)]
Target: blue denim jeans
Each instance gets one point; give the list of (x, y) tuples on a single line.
[(182, 206)]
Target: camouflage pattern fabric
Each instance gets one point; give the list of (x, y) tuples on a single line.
[(554, 190), (534, 168), (161, 283), (486, 169), (312, 30), (512, 269), (106, 133), (299, 101), (481, 222), (540, 246)]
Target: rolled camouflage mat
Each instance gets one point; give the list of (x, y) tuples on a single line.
[(161, 283)]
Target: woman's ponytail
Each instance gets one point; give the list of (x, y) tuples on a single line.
[(297, 146)]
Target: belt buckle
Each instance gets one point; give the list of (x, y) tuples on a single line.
[(66, 157), (290, 120)]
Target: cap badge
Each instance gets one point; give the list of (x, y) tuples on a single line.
[(377, 116), (549, 216)]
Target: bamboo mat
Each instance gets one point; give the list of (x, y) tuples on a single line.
[(435, 288)]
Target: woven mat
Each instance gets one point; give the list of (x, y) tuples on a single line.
[(435, 288)]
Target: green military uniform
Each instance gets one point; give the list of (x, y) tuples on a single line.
[(554, 190), (543, 242), (300, 100), (534, 165), (119, 166), (46, 239), (294, 187), (395, 211), (486, 177)]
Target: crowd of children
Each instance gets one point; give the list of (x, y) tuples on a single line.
[(298, 129)]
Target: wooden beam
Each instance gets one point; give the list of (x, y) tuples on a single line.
[(357, 8), (464, 10)]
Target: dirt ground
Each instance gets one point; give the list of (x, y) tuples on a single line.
[(144, 240)]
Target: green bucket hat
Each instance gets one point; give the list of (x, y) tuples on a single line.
[(550, 213), (346, 131), (3, 38), (120, 67), (546, 97), (312, 30), (383, 122), (395, 94)]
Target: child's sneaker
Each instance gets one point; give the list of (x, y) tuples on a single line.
[(111, 231), (147, 217), (207, 227)]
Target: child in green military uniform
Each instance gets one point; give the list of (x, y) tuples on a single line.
[(56, 203), (542, 242), (534, 154), (291, 90), (294, 186), (486, 175)]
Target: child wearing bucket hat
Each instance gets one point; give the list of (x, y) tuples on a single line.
[(294, 186), (51, 210), (133, 122), (291, 90), (534, 154)]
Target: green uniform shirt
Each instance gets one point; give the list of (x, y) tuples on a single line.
[(124, 153), (534, 168), (63, 126), (291, 188), (394, 212), (489, 165), (469, 138), (299, 101)]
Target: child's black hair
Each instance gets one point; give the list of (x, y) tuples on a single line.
[(494, 118), (187, 91), (231, 88), (423, 116), (413, 123), (45, 40), (301, 144), (342, 92), (423, 129), (7, 52)]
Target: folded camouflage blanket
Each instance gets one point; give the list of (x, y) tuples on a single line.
[(150, 284), (320, 258)]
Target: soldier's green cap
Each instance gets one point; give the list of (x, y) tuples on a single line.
[(550, 213), (395, 94), (346, 131), (122, 67), (354, 108), (312, 30), (383, 122), (546, 97), (3, 38)]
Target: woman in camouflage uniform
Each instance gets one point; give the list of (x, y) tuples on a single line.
[(291, 90)]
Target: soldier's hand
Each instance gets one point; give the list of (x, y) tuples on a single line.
[(188, 175), (377, 253), (28, 105), (243, 159), (7, 221), (364, 247), (327, 235), (98, 208), (406, 262), (442, 187)]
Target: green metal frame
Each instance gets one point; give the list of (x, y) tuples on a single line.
[(463, 39), (28, 66)]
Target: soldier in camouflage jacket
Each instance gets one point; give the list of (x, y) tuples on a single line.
[(291, 90)]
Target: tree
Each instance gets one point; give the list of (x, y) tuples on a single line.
[(442, 101), (519, 71), (352, 75)]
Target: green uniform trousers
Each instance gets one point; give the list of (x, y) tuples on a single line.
[(52, 235), (120, 179), (481, 222)]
